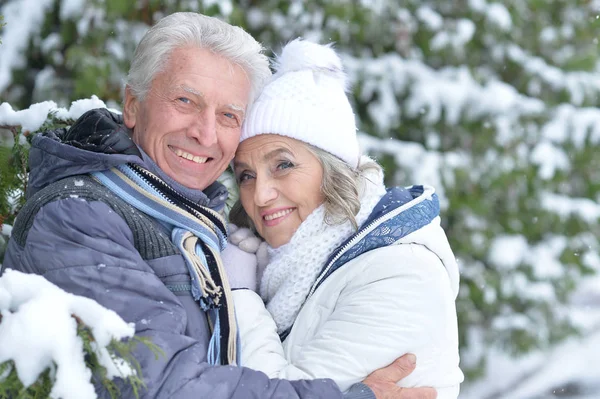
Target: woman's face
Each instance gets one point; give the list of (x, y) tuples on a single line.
[(280, 184)]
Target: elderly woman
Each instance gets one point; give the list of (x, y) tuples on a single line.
[(357, 274)]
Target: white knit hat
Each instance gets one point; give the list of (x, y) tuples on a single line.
[(306, 100)]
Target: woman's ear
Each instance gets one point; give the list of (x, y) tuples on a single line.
[(130, 108)]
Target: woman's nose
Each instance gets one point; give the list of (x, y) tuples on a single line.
[(265, 191)]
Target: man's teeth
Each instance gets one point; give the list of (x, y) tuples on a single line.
[(190, 157), (278, 214)]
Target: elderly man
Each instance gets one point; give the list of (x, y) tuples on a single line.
[(127, 212)]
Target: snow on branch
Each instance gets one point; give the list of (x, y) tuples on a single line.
[(450, 91), (41, 329), (23, 19), (579, 84), (32, 118)]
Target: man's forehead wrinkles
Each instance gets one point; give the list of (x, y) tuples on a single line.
[(188, 89)]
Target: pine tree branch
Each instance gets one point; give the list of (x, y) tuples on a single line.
[(12, 387)]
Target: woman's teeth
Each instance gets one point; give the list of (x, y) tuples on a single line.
[(278, 214)]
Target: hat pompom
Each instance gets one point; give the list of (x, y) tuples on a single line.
[(306, 100), (300, 55)]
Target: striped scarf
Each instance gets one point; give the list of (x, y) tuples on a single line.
[(200, 234)]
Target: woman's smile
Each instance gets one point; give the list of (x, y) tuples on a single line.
[(275, 216)]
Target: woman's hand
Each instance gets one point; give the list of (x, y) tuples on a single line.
[(239, 258), (244, 238)]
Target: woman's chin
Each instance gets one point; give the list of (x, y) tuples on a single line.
[(277, 242)]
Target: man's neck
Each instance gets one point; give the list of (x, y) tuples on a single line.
[(198, 196)]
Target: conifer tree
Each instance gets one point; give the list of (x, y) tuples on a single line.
[(493, 103)]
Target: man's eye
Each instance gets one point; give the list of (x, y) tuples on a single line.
[(184, 100), (230, 119)]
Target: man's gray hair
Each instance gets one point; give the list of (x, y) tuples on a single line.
[(340, 187), (191, 29)]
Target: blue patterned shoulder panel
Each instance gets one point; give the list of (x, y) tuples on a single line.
[(391, 230)]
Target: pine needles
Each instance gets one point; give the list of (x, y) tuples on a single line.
[(121, 353)]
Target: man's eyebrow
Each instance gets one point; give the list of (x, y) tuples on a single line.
[(236, 108), (233, 107), (191, 90)]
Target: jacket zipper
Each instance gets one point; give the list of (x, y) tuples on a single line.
[(359, 236)]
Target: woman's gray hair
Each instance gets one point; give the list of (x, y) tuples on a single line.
[(341, 187), (191, 29)]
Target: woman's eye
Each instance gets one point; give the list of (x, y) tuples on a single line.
[(285, 165), (244, 177)]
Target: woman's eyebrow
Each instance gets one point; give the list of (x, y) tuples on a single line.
[(238, 164), (267, 157), (274, 153)]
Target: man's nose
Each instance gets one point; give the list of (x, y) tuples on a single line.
[(204, 129), (265, 191)]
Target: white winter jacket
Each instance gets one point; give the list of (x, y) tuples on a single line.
[(389, 301)]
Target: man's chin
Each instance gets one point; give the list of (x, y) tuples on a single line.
[(189, 181), (195, 184)]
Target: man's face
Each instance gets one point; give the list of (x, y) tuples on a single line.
[(190, 121)]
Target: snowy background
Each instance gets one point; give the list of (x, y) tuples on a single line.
[(495, 103)]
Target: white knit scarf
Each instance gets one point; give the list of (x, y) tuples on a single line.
[(295, 266)]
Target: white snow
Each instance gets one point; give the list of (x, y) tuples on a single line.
[(405, 88), (508, 251), (430, 18), (22, 18), (71, 8), (578, 84), (463, 33), (50, 42), (38, 329), (543, 373), (408, 154), (33, 118), (6, 230), (29, 119), (549, 158), (450, 90), (565, 206), (498, 15)]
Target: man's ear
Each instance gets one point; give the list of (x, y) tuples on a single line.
[(130, 108)]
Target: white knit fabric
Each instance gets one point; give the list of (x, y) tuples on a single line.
[(306, 100), (294, 267)]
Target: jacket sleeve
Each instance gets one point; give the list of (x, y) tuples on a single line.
[(87, 249), (396, 300)]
